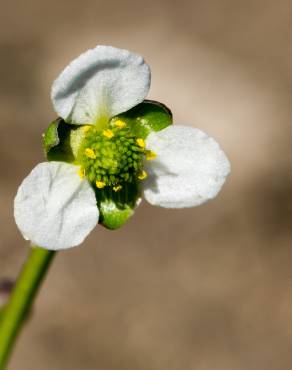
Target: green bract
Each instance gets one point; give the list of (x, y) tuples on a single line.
[(111, 158)]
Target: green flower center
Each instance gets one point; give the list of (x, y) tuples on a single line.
[(112, 157)]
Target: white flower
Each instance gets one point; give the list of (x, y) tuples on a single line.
[(55, 208)]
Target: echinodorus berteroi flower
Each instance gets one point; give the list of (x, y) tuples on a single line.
[(108, 149)]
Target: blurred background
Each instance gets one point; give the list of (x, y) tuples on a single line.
[(208, 288)]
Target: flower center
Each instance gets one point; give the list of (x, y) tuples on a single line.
[(112, 157)]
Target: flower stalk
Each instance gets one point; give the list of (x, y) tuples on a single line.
[(21, 299)]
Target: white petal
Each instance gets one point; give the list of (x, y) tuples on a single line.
[(99, 84), (189, 169), (54, 208)]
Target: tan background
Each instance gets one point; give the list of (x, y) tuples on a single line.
[(208, 288)]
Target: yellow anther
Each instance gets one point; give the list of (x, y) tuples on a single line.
[(120, 124), (108, 133), (86, 128), (142, 175), (100, 184), (117, 188), (150, 155), (90, 153), (141, 143), (81, 172)]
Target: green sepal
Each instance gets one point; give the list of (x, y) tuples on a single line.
[(117, 207), (60, 141), (146, 117)]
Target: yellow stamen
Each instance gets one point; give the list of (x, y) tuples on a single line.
[(117, 188), (90, 153), (150, 155), (141, 143), (108, 133), (81, 172), (100, 184), (120, 124), (142, 175), (86, 128)]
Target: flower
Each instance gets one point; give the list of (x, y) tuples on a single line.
[(109, 148)]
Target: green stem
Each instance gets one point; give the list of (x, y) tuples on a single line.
[(22, 299)]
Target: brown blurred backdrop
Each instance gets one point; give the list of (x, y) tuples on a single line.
[(208, 288)]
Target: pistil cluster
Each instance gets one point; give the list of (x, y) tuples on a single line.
[(113, 156)]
